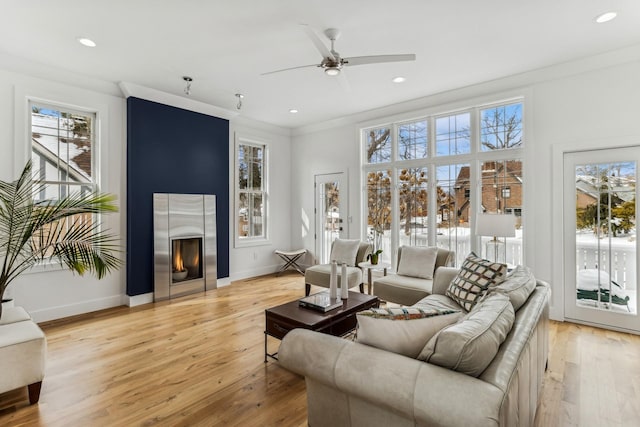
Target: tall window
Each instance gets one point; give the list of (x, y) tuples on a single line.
[(63, 156), (426, 179), (62, 150), (251, 191)]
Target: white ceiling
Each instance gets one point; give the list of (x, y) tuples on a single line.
[(226, 45)]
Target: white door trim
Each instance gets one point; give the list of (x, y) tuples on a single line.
[(558, 150), (343, 177)]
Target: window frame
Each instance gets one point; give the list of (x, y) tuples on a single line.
[(432, 161), (74, 100), (94, 182), (264, 239)]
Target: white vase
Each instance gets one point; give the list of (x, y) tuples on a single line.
[(344, 282), (333, 280)]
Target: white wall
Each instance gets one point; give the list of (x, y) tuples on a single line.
[(594, 99), (55, 293), (260, 259), (333, 150)]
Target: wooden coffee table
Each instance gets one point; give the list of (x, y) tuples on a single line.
[(283, 318)]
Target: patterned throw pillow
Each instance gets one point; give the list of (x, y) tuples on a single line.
[(473, 280), (403, 330)]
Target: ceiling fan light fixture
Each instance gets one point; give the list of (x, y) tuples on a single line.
[(332, 71)]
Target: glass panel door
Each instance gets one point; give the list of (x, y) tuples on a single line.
[(330, 213), (600, 235)]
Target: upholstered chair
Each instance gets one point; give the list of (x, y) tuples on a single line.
[(415, 270), (350, 252)]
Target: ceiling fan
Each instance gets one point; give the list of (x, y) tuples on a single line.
[(332, 62)]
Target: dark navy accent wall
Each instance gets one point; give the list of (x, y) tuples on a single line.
[(171, 150)]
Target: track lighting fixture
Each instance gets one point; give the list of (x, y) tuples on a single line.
[(239, 96), (188, 80)]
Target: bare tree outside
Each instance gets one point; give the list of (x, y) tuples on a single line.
[(501, 127)]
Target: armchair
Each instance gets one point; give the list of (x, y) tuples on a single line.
[(351, 252), (414, 274)]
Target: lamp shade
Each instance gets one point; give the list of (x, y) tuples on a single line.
[(497, 225)]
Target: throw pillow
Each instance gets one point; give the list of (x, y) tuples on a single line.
[(473, 280), (344, 251), (518, 286), (403, 330), (470, 345), (417, 261)]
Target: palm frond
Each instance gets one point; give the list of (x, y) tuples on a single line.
[(62, 230)]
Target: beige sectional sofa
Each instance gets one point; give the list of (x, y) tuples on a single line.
[(353, 384)]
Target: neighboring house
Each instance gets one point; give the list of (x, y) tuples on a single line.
[(501, 189), (587, 189)]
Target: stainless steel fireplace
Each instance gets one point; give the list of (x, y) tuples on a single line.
[(184, 244)]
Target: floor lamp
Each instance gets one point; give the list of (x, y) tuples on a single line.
[(496, 225)]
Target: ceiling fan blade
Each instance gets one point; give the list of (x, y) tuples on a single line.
[(322, 48), (287, 69), (376, 59)]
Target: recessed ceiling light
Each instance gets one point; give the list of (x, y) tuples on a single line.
[(86, 42), (605, 17), (398, 79), (293, 111)]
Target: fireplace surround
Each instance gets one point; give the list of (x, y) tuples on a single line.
[(184, 243)]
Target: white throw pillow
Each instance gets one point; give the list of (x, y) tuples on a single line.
[(345, 251), (403, 330), (470, 345), (518, 286), (417, 261)]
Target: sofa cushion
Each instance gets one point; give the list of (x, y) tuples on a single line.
[(344, 251), (437, 302), (402, 330), (470, 345), (400, 289), (417, 262), (518, 286), (473, 280), (320, 274)]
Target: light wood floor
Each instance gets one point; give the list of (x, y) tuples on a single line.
[(198, 361)]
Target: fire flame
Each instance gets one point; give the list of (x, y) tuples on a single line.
[(178, 264)]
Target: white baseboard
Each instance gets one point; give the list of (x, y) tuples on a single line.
[(62, 311), (223, 281), (135, 300), (247, 274)]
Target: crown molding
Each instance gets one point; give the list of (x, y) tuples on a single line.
[(142, 92)]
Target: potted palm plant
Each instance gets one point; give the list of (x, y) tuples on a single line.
[(35, 231)]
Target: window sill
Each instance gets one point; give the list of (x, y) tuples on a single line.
[(45, 267), (248, 243)]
